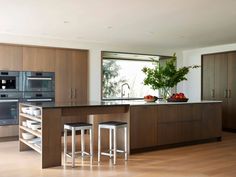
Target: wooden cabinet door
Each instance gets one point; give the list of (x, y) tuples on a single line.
[(230, 121), (211, 121), (221, 83), (80, 76), (208, 76), (143, 130), (39, 59), (11, 57), (63, 75), (169, 126)]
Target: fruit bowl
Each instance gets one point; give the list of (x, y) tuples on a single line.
[(177, 99), (150, 98)]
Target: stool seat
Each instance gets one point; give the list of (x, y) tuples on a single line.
[(78, 124), (113, 123)]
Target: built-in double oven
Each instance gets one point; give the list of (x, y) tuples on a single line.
[(10, 95), (26, 86), (38, 81)]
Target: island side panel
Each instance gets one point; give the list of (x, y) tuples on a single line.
[(51, 138)]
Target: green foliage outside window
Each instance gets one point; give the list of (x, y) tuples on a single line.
[(110, 81)]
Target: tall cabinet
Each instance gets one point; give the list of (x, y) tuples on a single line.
[(219, 83), (71, 75)]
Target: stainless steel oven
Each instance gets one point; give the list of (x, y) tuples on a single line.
[(39, 97), (9, 107), (10, 81), (38, 81)]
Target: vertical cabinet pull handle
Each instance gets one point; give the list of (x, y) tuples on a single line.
[(229, 93), (226, 93), (71, 93)]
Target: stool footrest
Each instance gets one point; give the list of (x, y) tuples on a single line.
[(111, 155), (86, 153)]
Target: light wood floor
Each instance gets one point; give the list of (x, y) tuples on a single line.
[(213, 159)]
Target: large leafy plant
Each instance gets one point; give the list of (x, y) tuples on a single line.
[(167, 76)]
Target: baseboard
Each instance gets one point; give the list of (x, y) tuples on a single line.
[(169, 146), (10, 138), (229, 130)]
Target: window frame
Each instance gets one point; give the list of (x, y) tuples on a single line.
[(102, 53)]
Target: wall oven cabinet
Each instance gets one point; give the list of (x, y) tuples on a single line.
[(9, 81), (9, 108), (38, 81)]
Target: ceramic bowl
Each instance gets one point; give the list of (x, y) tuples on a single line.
[(27, 136), (36, 112), (25, 109), (24, 123), (31, 110), (35, 126), (29, 122)]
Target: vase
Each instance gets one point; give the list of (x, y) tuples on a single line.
[(165, 93)]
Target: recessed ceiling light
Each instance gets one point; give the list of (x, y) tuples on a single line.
[(109, 27), (66, 21)]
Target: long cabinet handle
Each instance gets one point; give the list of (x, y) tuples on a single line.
[(226, 93), (229, 93), (213, 93), (71, 93)]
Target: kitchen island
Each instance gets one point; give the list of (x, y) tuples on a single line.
[(151, 125)]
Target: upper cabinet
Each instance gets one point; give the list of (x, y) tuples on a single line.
[(11, 57), (63, 75), (80, 75), (71, 75), (39, 59)]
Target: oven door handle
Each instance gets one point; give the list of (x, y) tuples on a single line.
[(2, 101), (39, 100), (40, 78)]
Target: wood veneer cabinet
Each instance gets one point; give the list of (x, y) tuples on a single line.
[(179, 123), (143, 126), (219, 83), (157, 125), (80, 76), (71, 75), (39, 59), (11, 57), (231, 106)]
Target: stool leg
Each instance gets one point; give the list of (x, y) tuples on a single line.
[(91, 142), (126, 143), (73, 147), (82, 143), (99, 143), (110, 142), (65, 146), (114, 144)]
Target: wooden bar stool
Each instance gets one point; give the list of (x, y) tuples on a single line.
[(73, 127), (113, 126)]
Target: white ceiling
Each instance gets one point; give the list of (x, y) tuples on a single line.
[(156, 23)]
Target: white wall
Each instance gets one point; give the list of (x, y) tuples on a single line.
[(94, 55), (192, 87)]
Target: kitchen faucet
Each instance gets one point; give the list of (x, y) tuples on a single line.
[(122, 89)]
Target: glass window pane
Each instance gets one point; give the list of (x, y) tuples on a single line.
[(123, 79)]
